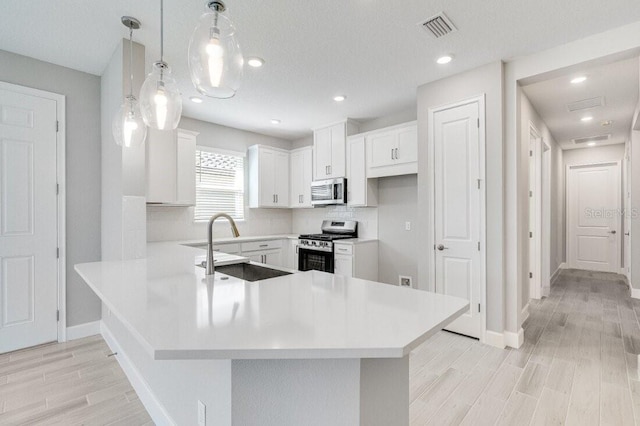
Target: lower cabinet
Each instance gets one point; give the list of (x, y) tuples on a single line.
[(356, 260), (267, 252)]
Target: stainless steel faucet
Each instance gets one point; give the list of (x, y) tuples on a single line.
[(210, 267)]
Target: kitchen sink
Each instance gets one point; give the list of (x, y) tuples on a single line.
[(249, 272)]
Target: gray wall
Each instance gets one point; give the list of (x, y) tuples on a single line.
[(485, 80), (82, 93), (397, 248)]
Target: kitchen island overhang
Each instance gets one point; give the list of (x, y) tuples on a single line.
[(337, 346)]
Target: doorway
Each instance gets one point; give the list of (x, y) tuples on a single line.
[(593, 216), (458, 203), (32, 226)]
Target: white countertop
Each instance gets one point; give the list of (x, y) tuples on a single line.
[(241, 239), (354, 241), (176, 312)]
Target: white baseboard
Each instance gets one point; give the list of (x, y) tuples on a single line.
[(83, 330), (635, 292), (525, 313), (148, 399), (514, 340), (492, 338)]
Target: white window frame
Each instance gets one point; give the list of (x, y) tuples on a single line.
[(244, 188)]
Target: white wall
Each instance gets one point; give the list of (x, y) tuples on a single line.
[(529, 116), (82, 92), (483, 80), (308, 221), (596, 154), (166, 223)]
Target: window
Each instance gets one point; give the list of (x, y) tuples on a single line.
[(219, 184)]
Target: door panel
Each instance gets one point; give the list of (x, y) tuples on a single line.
[(381, 148), (267, 177), (407, 145), (281, 176), (594, 220), (457, 206), (337, 167), (28, 221), (321, 153)]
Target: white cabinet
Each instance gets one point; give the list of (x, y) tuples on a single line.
[(268, 177), (392, 151), (301, 165), (290, 254), (329, 149), (356, 260), (171, 167), (267, 252), (229, 248), (361, 191)]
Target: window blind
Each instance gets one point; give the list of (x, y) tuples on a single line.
[(219, 185)]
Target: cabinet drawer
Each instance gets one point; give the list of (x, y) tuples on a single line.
[(261, 245), (344, 249), (226, 248)]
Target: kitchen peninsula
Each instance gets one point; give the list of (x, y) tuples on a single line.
[(308, 348)]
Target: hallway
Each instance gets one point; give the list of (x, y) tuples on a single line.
[(578, 365)]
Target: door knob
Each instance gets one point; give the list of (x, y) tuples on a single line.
[(441, 247)]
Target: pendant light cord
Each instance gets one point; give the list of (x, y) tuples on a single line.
[(162, 30), (131, 62)]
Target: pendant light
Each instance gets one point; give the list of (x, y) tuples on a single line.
[(160, 100), (128, 127), (215, 59)]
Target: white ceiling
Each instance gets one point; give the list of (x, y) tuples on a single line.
[(370, 50), (618, 82)]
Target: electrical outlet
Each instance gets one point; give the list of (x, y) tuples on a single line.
[(202, 414), (405, 281), (407, 226)]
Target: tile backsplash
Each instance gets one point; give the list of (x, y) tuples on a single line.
[(306, 221)]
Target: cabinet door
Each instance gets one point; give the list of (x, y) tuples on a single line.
[(274, 258), (307, 178), (381, 149), (407, 140), (281, 179), (356, 172), (296, 175), (321, 153), (337, 167), (343, 265), (186, 169), (161, 166), (255, 257), (266, 182)]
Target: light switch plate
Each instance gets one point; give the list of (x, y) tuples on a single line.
[(407, 226)]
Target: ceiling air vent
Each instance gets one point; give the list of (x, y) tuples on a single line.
[(586, 104), (439, 25), (597, 138)]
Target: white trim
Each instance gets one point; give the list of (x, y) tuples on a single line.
[(514, 340), (494, 339), (525, 313), (568, 210), (635, 292), (556, 274), (83, 330), (61, 137), (230, 152), (482, 114), (151, 404)]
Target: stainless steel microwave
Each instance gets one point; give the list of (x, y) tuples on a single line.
[(329, 192)]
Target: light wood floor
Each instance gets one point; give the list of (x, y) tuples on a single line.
[(578, 365), (73, 383)]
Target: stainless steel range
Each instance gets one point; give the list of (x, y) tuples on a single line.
[(315, 251)]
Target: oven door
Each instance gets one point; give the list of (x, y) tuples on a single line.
[(315, 260)]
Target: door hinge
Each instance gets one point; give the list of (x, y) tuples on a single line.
[(58, 315), (478, 123), (530, 234), (57, 126), (57, 189), (478, 245), (530, 153), (57, 252), (478, 307), (530, 274), (530, 194), (478, 183)]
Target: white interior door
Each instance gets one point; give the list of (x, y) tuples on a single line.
[(593, 202), (28, 221), (458, 270)]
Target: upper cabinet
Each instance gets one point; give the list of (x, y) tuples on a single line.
[(329, 149), (361, 191), (268, 177), (171, 167), (392, 151), (301, 165)]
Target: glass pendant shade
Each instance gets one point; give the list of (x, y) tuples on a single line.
[(160, 100), (128, 127), (215, 59)]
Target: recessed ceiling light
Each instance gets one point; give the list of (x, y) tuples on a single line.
[(339, 98), (591, 144), (275, 121), (442, 60), (578, 80), (255, 62), (196, 99), (587, 118)]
